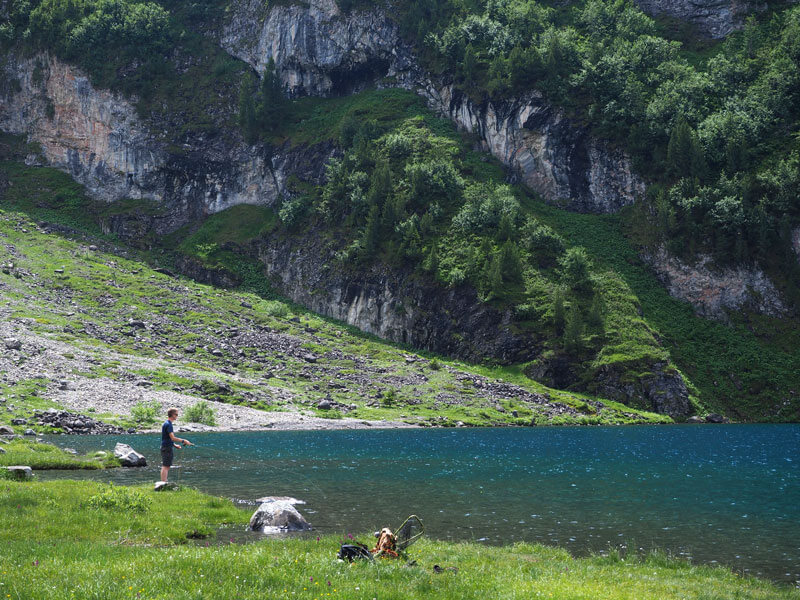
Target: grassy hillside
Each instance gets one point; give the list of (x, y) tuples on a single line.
[(91, 311), (132, 543)]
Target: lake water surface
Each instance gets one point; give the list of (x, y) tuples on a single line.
[(726, 494)]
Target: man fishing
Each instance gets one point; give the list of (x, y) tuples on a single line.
[(169, 441)]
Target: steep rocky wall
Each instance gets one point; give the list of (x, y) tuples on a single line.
[(319, 51), (713, 291), (549, 153), (713, 18), (391, 303), (96, 136), (400, 306)]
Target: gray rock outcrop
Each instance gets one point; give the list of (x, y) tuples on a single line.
[(74, 423), (391, 304), (12, 344), (96, 136), (712, 18), (277, 515), (164, 486), (714, 291), (128, 456)]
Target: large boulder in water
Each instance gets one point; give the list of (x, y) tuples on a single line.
[(278, 515), (128, 456)]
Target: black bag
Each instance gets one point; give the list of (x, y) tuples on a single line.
[(354, 551)]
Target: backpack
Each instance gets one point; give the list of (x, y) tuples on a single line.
[(354, 551)]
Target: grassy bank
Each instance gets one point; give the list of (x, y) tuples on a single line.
[(46, 456), (113, 551), (98, 319)]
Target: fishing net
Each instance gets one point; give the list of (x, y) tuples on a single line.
[(408, 533)]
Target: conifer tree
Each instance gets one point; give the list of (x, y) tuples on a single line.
[(596, 316), (247, 109), (573, 330), (510, 263), (431, 263), (558, 310), (372, 232), (685, 156)]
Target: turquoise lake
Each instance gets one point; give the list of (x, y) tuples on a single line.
[(725, 494)]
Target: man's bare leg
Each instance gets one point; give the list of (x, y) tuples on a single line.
[(164, 473)]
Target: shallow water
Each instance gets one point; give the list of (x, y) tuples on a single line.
[(725, 494)]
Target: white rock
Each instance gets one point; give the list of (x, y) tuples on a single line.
[(128, 456)]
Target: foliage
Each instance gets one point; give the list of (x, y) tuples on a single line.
[(146, 412), (120, 498), (687, 122), (200, 412)]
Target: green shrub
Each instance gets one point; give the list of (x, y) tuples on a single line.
[(146, 412), (122, 498), (201, 412)]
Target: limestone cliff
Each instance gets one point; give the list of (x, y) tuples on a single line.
[(713, 18), (714, 291), (96, 136), (319, 51), (393, 303)]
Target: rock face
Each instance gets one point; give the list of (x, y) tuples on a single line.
[(319, 51), (92, 134), (712, 292), (128, 456), (276, 516), (660, 390), (713, 18), (393, 305), (550, 154), (96, 136)]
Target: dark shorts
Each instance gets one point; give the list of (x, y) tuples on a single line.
[(167, 455)]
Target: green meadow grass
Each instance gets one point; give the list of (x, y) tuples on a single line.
[(46, 456), (105, 553)]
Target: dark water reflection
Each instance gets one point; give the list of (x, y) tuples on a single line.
[(727, 494)]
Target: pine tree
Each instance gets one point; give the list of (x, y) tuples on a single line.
[(506, 229), (558, 310), (372, 232), (431, 263), (685, 156), (247, 110), (380, 187), (469, 65), (573, 330), (596, 316), (510, 263)]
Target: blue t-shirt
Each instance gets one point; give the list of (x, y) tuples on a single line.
[(166, 429)]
